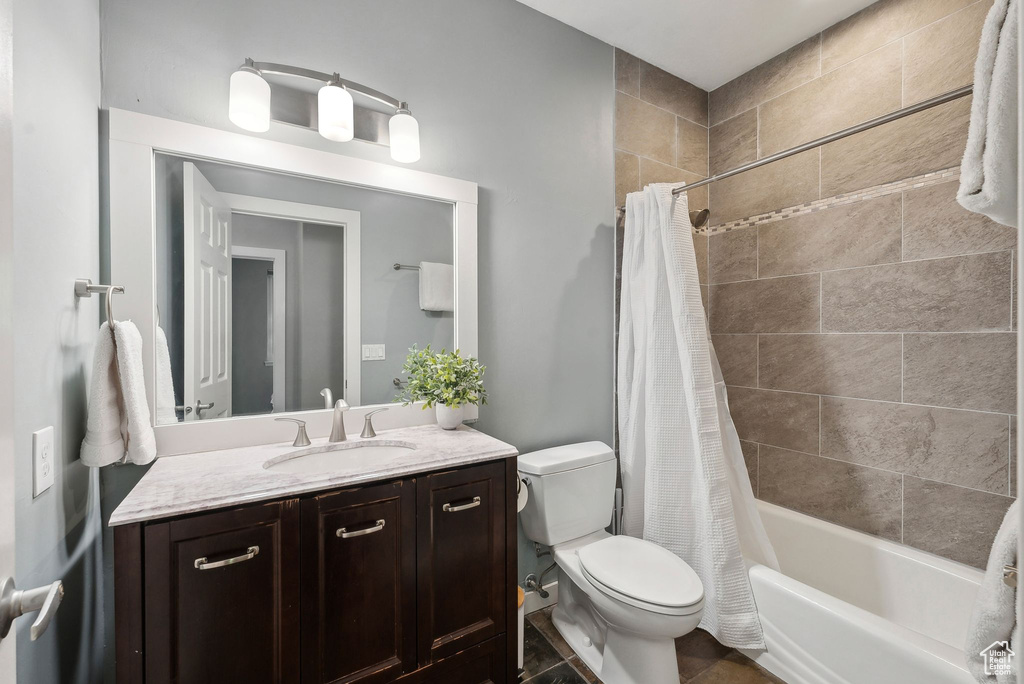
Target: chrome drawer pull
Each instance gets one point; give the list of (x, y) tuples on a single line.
[(345, 534), (204, 564), (448, 508)]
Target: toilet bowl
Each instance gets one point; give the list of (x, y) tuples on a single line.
[(622, 601)]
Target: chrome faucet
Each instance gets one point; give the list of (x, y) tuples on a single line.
[(328, 396), (338, 425), (368, 430), (301, 438)]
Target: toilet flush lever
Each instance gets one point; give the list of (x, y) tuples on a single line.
[(14, 604)]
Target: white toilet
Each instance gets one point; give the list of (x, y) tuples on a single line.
[(621, 601)]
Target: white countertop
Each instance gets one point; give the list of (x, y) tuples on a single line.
[(177, 485)]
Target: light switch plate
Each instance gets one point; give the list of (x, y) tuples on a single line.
[(42, 460), (373, 352)]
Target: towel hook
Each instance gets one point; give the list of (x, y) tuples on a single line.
[(85, 288)]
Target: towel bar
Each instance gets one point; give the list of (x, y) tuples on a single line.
[(399, 267), (85, 288), (1010, 575)]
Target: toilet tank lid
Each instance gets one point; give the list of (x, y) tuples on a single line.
[(562, 458)]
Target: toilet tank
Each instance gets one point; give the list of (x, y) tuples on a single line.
[(571, 491)]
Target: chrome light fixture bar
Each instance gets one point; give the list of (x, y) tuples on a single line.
[(337, 118)]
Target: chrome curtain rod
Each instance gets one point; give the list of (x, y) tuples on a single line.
[(845, 133)]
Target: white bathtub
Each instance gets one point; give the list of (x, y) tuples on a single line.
[(852, 608)]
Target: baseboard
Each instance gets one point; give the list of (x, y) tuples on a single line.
[(533, 600)]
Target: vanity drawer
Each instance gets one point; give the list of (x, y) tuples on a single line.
[(222, 597), (461, 559), (359, 584)]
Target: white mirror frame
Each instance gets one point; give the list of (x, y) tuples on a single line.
[(134, 141)]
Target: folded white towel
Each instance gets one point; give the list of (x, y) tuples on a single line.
[(136, 418), (437, 286), (165, 413), (988, 173), (103, 443), (994, 617)]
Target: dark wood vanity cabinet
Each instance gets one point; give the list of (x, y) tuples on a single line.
[(410, 581), (222, 596), (359, 584)]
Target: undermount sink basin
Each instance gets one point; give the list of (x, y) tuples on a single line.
[(342, 456)]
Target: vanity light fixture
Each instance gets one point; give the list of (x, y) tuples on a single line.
[(335, 114)]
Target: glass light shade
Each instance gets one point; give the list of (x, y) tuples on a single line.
[(335, 113), (249, 103), (405, 138)]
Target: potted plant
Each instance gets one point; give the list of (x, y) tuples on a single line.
[(445, 381)]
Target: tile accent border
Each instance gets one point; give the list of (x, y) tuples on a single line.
[(891, 188)]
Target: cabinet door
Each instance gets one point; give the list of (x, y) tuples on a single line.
[(359, 584), (222, 597), (461, 559), (483, 664)]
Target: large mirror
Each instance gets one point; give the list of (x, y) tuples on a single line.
[(268, 278), (280, 293)]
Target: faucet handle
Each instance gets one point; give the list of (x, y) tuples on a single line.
[(368, 430), (301, 438)]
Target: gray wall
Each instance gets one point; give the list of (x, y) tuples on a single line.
[(506, 97), (56, 239), (252, 380)]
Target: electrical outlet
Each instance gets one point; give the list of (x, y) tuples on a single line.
[(42, 460)]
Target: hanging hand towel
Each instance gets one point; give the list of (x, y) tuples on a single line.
[(103, 443), (994, 620), (135, 418), (437, 286), (988, 173), (165, 413)]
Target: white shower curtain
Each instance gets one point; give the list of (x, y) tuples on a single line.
[(684, 480)]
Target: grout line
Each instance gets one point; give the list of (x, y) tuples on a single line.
[(867, 266), (640, 99)]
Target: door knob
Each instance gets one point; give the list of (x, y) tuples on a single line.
[(14, 604)]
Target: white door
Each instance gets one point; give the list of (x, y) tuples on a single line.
[(207, 299)]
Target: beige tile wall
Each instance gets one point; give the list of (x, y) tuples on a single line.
[(661, 129), (868, 347), (890, 55)]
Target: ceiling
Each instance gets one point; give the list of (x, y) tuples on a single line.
[(706, 42)]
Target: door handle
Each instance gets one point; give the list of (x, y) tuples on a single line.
[(345, 534), (449, 508), (200, 406), (14, 604), (204, 563)]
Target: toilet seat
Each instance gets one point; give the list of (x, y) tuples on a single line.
[(642, 574)]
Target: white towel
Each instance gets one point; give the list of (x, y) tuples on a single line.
[(994, 617), (103, 443), (118, 413), (437, 286), (165, 413), (135, 419), (988, 173)]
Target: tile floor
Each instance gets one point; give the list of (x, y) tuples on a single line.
[(547, 659)]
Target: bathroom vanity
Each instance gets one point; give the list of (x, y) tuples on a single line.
[(246, 566)]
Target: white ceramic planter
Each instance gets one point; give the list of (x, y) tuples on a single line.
[(449, 418)]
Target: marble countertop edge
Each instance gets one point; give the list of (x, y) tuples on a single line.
[(201, 482)]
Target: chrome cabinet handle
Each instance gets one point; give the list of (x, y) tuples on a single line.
[(345, 534), (204, 564), (449, 508)]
